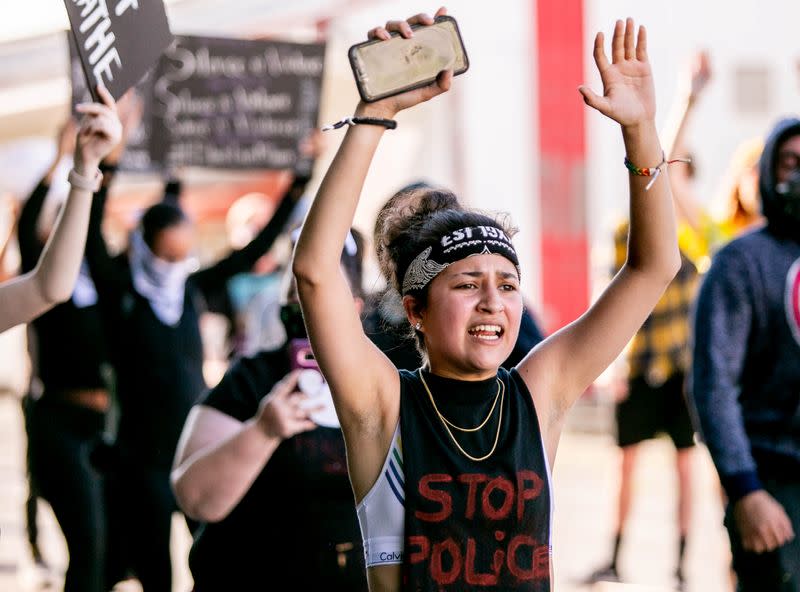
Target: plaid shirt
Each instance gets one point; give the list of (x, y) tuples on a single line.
[(661, 346)]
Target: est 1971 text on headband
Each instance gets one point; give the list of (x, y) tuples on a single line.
[(454, 246)]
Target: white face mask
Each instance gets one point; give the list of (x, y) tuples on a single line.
[(165, 273), (162, 282)]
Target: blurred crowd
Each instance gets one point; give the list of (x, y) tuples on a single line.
[(150, 380)]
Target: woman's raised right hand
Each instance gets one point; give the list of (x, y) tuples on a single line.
[(390, 106)]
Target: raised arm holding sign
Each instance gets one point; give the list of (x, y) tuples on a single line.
[(53, 279), (118, 40)]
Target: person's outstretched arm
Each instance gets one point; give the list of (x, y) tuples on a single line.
[(30, 249), (560, 369), (215, 277), (27, 225), (364, 383), (212, 278), (53, 279), (687, 205)]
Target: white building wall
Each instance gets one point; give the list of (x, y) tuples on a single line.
[(759, 33)]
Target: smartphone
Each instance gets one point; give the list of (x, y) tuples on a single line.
[(300, 354), (383, 68)]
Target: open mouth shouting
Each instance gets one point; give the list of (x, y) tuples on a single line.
[(486, 332)]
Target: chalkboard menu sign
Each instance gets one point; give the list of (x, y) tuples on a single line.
[(118, 41), (232, 103)]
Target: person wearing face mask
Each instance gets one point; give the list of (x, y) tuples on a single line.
[(150, 298), (745, 376), (262, 458)]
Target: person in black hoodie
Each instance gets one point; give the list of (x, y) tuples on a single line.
[(150, 301), (745, 376)]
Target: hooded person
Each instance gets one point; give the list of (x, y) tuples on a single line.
[(779, 179), (745, 377)]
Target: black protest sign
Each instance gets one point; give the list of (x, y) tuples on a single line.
[(136, 156), (118, 41), (233, 103)]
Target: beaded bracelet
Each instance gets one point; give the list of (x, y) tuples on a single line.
[(651, 171), (387, 123)]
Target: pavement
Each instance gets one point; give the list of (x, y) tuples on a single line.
[(585, 482)]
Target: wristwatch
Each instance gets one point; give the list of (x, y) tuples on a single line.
[(80, 182)]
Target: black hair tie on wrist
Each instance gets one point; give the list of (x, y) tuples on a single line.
[(387, 123)]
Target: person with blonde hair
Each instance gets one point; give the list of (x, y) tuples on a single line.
[(740, 202)]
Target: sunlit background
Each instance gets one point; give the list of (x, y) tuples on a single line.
[(513, 135)]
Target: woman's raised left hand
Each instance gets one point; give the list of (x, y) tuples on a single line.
[(628, 91), (389, 106)]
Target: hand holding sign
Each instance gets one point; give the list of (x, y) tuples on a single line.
[(99, 133), (130, 109), (66, 139), (118, 40)]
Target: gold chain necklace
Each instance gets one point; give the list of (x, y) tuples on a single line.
[(501, 393)]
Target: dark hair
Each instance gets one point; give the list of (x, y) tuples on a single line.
[(172, 191), (158, 217), (407, 231), (419, 197)]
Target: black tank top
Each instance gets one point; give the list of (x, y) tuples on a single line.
[(474, 525)]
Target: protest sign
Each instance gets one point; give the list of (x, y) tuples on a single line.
[(233, 103), (118, 41), (136, 156)]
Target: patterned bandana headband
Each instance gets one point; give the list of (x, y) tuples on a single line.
[(455, 246)]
